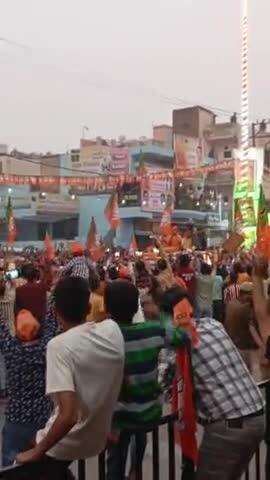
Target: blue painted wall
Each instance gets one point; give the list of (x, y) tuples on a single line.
[(17, 190), (124, 233), (162, 154), (92, 206)]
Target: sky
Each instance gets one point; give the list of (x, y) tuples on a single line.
[(119, 67)]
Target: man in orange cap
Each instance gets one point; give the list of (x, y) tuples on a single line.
[(76, 249)]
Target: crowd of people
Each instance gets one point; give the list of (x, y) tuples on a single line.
[(88, 351)]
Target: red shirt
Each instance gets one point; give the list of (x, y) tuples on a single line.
[(188, 275), (231, 292), (32, 297)]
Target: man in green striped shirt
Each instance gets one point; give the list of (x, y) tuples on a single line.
[(140, 397)]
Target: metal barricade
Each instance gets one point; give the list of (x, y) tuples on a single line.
[(257, 467), (153, 430)]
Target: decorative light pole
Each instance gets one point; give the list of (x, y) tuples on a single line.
[(245, 86), (243, 171), (244, 200)]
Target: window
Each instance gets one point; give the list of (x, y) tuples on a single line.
[(42, 229), (227, 152), (75, 156), (267, 155)]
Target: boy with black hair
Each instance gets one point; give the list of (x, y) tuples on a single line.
[(139, 402), (84, 395)]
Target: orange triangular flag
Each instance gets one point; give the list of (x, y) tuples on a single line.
[(166, 222), (111, 211), (49, 247), (92, 235)]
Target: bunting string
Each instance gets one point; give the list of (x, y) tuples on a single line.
[(99, 183)]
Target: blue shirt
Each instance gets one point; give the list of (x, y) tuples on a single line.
[(217, 292), (26, 367)]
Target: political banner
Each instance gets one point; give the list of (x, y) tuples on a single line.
[(157, 194), (233, 242), (246, 184), (103, 159), (120, 161), (189, 152)]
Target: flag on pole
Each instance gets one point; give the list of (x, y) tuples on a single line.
[(263, 230), (49, 247), (111, 211), (95, 249), (11, 226), (133, 248), (92, 235), (166, 221), (262, 221), (238, 217), (183, 404)]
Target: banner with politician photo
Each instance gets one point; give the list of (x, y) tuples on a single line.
[(101, 159), (156, 194), (245, 212), (188, 152)]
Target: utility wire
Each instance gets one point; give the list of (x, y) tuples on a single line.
[(164, 98), (59, 167)]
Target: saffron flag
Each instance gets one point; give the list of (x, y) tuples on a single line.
[(238, 219), (166, 222), (11, 226), (95, 249), (92, 235), (49, 251), (183, 404), (263, 230), (111, 211), (182, 393), (133, 248), (262, 221)]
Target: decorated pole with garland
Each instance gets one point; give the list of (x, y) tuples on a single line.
[(245, 190)]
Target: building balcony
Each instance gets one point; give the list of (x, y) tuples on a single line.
[(223, 132)]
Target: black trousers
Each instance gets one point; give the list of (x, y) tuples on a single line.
[(47, 468), (218, 310)]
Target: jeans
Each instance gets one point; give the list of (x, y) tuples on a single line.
[(117, 454), (218, 310), (2, 372), (16, 438)]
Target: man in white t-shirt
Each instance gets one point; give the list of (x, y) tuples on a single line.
[(84, 376)]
